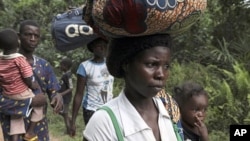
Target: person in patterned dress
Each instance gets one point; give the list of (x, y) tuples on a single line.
[(29, 35), (17, 81)]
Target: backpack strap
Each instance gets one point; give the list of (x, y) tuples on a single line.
[(114, 121)]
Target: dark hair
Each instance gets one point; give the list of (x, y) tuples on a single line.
[(8, 39), (66, 62), (186, 91), (96, 42), (123, 50), (27, 22)]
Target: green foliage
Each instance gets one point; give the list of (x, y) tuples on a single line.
[(222, 53), (240, 49), (218, 136), (231, 99), (118, 86)]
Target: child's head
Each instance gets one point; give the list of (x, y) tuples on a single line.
[(65, 64), (98, 47), (193, 102), (8, 40)]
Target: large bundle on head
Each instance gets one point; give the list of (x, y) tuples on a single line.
[(118, 18)]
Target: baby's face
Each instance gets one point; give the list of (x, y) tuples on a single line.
[(194, 109)]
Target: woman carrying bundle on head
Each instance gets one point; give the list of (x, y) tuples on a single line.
[(143, 62)]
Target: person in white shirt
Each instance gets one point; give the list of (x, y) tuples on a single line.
[(94, 83), (143, 62)]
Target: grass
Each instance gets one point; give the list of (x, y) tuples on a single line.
[(57, 126)]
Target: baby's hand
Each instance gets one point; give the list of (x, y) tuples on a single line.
[(39, 100), (202, 129), (35, 85)]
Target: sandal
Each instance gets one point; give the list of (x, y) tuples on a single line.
[(35, 138)]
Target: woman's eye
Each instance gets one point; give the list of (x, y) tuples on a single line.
[(149, 64)]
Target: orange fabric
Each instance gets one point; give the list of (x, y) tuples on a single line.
[(171, 105)]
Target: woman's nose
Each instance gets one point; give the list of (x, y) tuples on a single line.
[(161, 73)]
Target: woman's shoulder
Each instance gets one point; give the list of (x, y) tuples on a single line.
[(99, 126)]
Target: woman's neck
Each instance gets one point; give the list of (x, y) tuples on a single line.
[(138, 101)]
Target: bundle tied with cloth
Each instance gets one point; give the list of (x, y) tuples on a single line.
[(119, 18)]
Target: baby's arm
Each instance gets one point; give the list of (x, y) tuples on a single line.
[(30, 83), (202, 129)]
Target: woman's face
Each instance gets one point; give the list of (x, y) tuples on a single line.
[(146, 75)]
